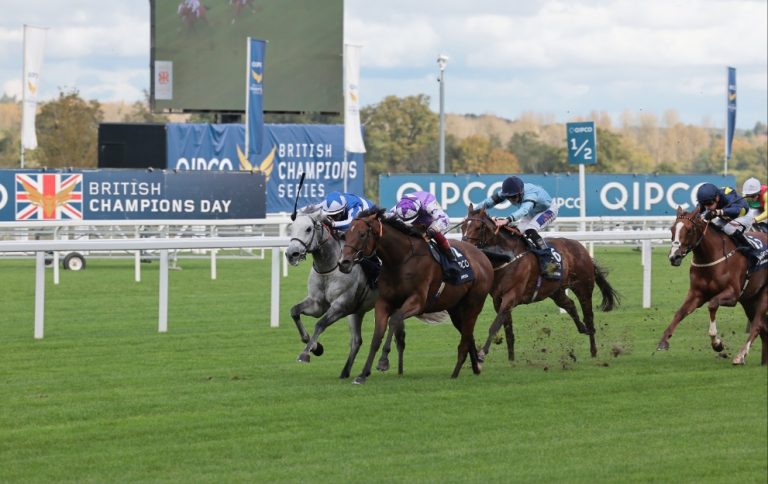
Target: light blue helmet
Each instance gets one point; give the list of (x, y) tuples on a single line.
[(334, 203), (407, 209)]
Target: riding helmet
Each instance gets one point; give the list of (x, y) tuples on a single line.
[(512, 186), (751, 187), (407, 209), (334, 203), (706, 193)]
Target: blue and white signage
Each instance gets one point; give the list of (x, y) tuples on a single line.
[(287, 152), (606, 194), (582, 143), (51, 195)]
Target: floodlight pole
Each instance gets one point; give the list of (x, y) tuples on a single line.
[(442, 60)]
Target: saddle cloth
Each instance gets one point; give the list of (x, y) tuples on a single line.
[(550, 263), (759, 260), (458, 272)]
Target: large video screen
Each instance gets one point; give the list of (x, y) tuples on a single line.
[(198, 54)]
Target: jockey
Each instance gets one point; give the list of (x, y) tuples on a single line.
[(421, 210), (532, 209), (341, 208), (728, 211), (756, 196)]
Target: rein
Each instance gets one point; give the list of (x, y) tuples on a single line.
[(694, 224), (359, 252)]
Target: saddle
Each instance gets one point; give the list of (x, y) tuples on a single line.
[(454, 272), (550, 260)]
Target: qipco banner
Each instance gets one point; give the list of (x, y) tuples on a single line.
[(606, 194), (50, 195), (287, 152)]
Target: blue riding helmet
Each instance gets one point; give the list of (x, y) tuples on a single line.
[(512, 186), (334, 204), (407, 209), (706, 194)]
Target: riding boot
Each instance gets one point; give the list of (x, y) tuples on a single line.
[(443, 244), (551, 268), (536, 239)]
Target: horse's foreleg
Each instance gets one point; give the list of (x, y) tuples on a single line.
[(509, 333), (692, 301), (383, 364), (296, 312), (355, 340), (715, 341), (333, 314), (495, 326), (379, 326)]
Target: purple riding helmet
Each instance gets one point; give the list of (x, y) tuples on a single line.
[(407, 210)]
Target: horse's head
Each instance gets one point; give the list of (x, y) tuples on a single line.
[(478, 228), (361, 238), (307, 233), (687, 232)]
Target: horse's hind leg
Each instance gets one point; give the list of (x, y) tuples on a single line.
[(563, 301), (715, 341), (756, 313), (585, 300)]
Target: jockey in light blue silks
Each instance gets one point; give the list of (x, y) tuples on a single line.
[(342, 208), (532, 210), (421, 210)]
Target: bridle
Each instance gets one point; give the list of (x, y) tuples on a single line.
[(359, 255), (310, 247), (685, 249), (481, 242)]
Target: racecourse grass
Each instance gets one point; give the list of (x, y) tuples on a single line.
[(220, 398)]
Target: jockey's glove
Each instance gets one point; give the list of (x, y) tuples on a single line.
[(511, 220), (713, 213)]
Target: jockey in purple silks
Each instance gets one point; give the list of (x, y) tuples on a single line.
[(421, 210)]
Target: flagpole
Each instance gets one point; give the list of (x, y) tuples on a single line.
[(247, 85), (725, 129), (23, 94)]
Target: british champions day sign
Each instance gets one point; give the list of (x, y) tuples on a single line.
[(606, 194), (29, 195)]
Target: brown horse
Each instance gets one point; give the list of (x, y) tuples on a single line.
[(518, 281), (719, 275), (411, 283)]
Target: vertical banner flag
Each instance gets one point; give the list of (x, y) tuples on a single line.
[(254, 98), (34, 45), (731, 114), (353, 139)]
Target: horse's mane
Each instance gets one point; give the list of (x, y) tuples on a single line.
[(507, 231), (393, 222)]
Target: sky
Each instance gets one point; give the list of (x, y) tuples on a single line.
[(562, 59)]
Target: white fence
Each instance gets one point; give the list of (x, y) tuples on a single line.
[(40, 247)]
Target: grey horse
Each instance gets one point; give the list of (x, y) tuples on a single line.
[(331, 294)]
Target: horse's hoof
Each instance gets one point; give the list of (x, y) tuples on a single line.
[(358, 381), (303, 358), (383, 365), (739, 361), (318, 350), (718, 347), (343, 376), (662, 346), (481, 356)]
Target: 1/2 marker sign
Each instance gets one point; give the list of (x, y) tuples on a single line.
[(582, 143)]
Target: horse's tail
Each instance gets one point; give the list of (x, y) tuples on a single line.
[(610, 296), (433, 318)]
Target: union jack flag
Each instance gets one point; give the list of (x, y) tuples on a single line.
[(49, 196)]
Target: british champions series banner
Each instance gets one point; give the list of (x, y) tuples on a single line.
[(33, 195), (607, 194), (288, 151)]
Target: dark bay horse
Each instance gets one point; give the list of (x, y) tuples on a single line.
[(411, 283), (718, 275), (518, 281)]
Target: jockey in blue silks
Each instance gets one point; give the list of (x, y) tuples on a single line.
[(532, 210), (421, 210), (729, 212), (342, 208)]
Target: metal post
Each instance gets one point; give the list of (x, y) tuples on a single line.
[(442, 60)]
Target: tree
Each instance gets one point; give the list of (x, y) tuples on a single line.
[(615, 154), (140, 113), (68, 131), (535, 156), (400, 136)]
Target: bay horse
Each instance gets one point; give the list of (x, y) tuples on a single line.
[(331, 294), (411, 283), (718, 275), (518, 280)]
